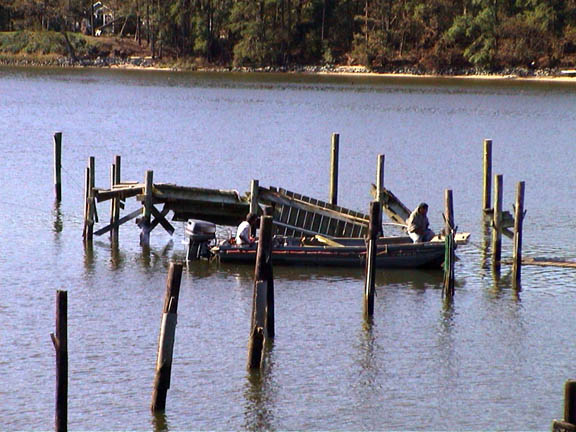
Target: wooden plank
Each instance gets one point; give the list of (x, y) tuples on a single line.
[(316, 207), (545, 262), (159, 218), (118, 192), (121, 221), (302, 230)]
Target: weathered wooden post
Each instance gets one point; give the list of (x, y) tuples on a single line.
[(570, 401), (380, 178), (254, 184), (449, 257), (147, 209), (518, 224), (370, 268), (115, 202), (569, 421), (58, 165), (486, 198), (89, 205), (167, 338), (380, 186), (262, 323), (60, 341), (497, 223), (334, 169)]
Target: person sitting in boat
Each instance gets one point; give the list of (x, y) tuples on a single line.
[(418, 226), (244, 231)]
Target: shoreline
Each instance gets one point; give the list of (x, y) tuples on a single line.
[(148, 64)]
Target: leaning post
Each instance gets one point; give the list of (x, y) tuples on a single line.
[(262, 321), (518, 225), (487, 191), (334, 155), (370, 268), (497, 223), (167, 338), (58, 165), (449, 257), (60, 341)]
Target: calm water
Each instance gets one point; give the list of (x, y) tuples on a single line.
[(494, 360)]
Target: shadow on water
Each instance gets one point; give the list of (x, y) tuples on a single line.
[(260, 394)]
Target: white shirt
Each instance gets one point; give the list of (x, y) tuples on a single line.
[(243, 233)]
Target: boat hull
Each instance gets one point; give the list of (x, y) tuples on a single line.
[(426, 255)]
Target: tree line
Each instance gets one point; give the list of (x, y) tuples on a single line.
[(434, 35)]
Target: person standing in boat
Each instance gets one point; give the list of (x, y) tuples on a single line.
[(244, 231), (418, 225)]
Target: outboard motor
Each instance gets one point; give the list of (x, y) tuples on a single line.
[(199, 234)]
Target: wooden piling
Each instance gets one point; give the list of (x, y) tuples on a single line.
[(147, 208), (380, 187), (263, 269), (370, 268), (58, 166), (89, 205), (518, 224), (380, 178), (115, 202), (497, 222), (60, 341), (449, 256), (167, 338), (262, 323), (254, 208), (334, 168), (570, 401), (486, 198), (568, 424)]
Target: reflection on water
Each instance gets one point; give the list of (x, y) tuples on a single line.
[(260, 395), (159, 422), (57, 215)]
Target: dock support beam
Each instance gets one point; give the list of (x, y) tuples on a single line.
[(334, 155), (449, 257), (58, 166), (519, 214), (262, 321), (487, 191), (370, 269), (497, 223), (167, 338), (60, 341)]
